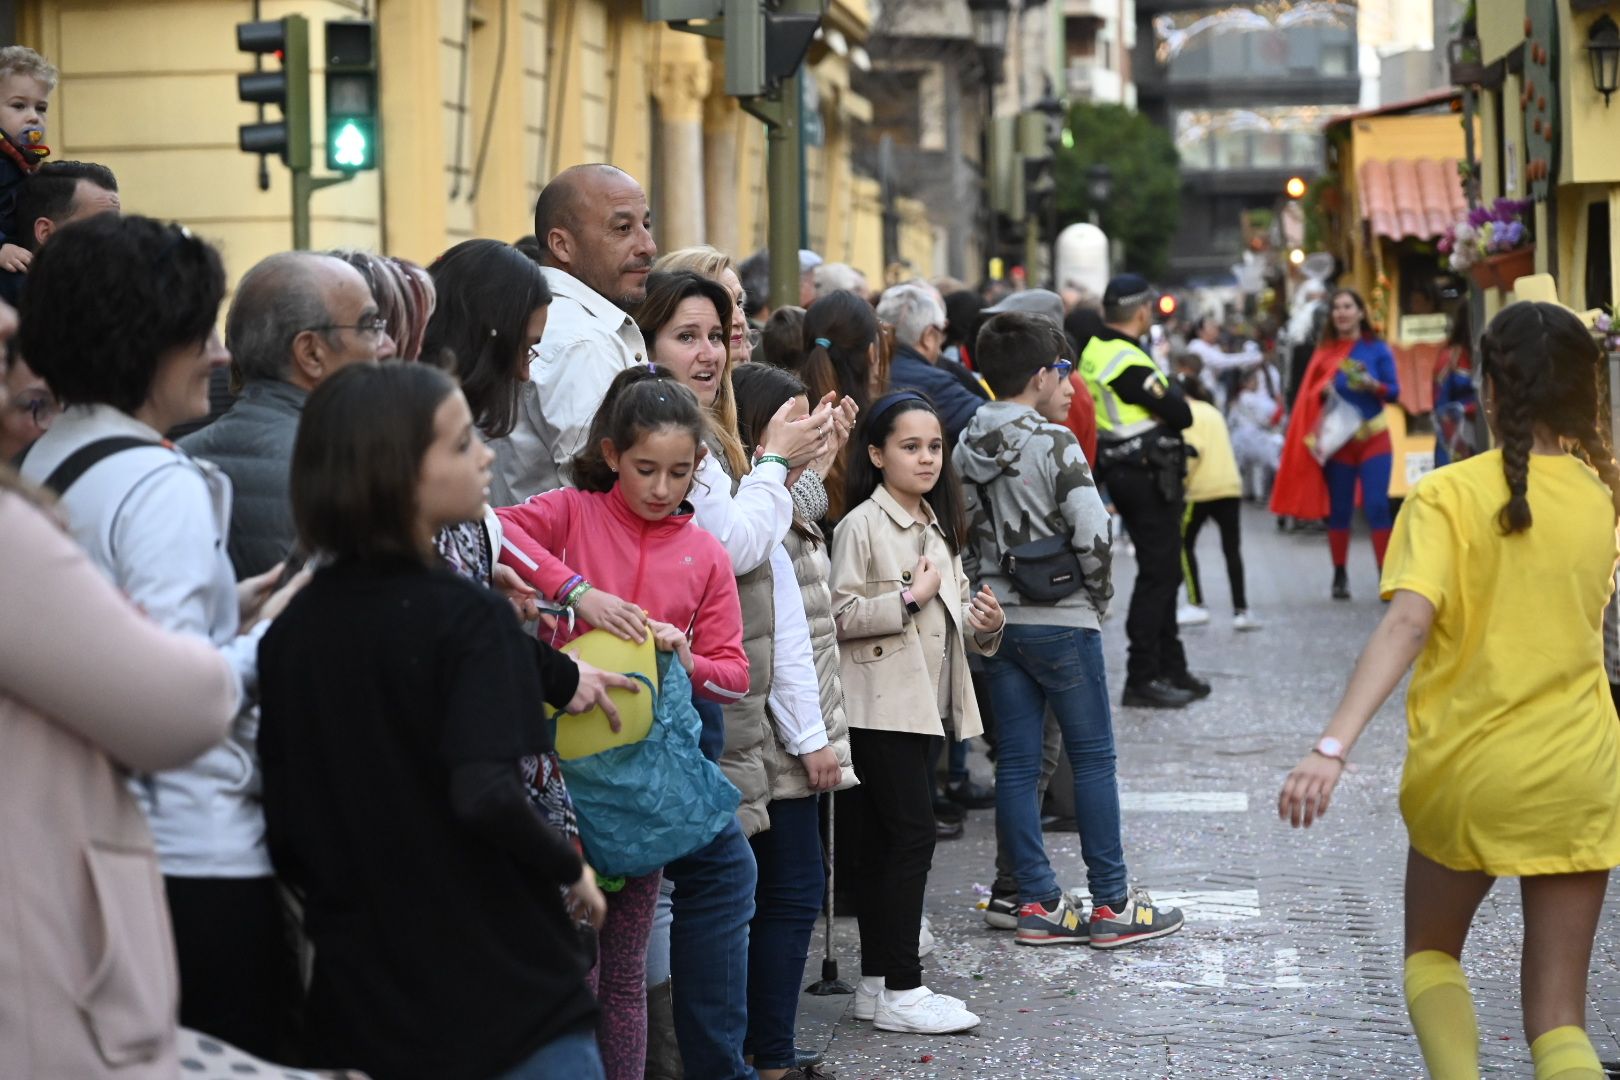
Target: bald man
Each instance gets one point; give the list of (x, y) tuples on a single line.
[(296, 319), (596, 249)]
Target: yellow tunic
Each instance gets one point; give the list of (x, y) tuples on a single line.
[(1513, 748)]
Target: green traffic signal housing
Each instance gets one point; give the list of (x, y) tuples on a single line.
[(351, 95), (287, 89)]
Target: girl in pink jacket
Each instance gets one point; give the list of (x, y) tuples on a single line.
[(623, 554)]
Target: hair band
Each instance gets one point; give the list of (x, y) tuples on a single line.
[(824, 343), (888, 402)]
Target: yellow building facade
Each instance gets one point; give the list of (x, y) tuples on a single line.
[(482, 102), (1585, 198)]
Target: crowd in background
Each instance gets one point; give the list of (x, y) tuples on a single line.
[(319, 599)]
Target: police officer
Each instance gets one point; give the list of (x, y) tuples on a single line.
[(1141, 460)]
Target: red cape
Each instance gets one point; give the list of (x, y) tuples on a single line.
[(1301, 489)]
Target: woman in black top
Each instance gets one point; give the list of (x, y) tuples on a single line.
[(397, 700)]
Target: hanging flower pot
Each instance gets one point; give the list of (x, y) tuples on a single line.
[(1501, 271)]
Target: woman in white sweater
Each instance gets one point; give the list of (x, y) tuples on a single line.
[(119, 320)]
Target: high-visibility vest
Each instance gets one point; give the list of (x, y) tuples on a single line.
[(1101, 362)]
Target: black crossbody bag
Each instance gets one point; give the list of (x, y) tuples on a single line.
[(1042, 571)]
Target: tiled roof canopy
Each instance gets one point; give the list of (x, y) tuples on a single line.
[(1415, 198)]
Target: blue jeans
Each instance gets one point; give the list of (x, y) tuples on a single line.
[(1041, 667), (573, 1055), (658, 942), (708, 954), (787, 901)]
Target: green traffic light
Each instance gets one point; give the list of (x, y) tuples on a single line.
[(350, 147)]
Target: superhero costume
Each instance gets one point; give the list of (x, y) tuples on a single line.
[(1310, 491)]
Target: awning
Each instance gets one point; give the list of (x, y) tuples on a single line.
[(1417, 198)]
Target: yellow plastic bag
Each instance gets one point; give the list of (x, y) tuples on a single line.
[(589, 733)]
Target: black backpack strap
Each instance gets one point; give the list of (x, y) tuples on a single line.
[(79, 462)]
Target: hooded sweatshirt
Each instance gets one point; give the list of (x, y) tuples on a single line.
[(675, 571), (1039, 485)]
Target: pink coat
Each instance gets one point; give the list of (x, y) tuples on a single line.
[(89, 688), (678, 573)]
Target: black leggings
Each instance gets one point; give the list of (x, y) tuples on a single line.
[(1227, 514), (238, 967), (894, 809)]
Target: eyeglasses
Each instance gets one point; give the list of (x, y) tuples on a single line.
[(369, 327), (1064, 368), (41, 409), (753, 337)]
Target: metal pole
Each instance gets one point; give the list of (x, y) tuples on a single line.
[(783, 179), (303, 186), (830, 983)]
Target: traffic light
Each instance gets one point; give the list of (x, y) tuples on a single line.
[(1167, 305), (766, 41), (1040, 189), (1296, 187), (351, 95), (287, 40)]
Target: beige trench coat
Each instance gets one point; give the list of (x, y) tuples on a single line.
[(884, 663)]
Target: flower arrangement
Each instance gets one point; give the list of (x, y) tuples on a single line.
[(1503, 227), (1606, 329)]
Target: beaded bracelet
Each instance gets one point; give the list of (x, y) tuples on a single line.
[(578, 591), (778, 458)]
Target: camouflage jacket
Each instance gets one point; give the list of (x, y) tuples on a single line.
[(1040, 485)]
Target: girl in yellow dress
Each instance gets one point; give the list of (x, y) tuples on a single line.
[(1498, 574)]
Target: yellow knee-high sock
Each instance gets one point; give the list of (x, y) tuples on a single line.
[(1565, 1053), (1442, 1013)]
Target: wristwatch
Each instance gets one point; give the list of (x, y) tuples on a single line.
[(1330, 747), (910, 601)]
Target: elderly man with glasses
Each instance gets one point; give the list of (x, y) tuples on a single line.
[(297, 318)]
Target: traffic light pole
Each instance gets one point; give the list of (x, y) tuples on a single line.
[(784, 180), (303, 186)]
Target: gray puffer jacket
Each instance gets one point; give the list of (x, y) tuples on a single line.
[(812, 569), (745, 760), (1039, 485), (253, 444)]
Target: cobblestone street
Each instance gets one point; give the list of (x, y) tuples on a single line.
[(1290, 964)]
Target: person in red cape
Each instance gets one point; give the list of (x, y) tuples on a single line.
[(1360, 368)]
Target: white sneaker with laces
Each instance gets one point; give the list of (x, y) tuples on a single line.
[(925, 940), (1191, 615), (1245, 621), (922, 1012)]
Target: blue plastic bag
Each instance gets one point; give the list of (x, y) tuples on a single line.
[(645, 805)]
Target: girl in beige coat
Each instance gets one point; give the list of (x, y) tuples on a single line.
[(905, 616)]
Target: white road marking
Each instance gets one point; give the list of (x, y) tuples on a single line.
[(1285, 962), (1216, 905), (1200, 802)]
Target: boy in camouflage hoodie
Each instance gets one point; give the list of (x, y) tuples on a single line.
[(1017, 456)]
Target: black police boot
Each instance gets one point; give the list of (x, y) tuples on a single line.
[(1191, 683), (1341, 583), (1155, 694)]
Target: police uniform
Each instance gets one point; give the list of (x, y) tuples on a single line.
[(1140, 413)]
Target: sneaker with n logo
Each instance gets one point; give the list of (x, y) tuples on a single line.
[(1056, 922), (1137, 919)]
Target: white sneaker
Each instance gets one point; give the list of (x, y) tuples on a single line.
[(925, 940), (1244, 621), (1191, 615), (866, 996), (870, 988), (922, 1012)]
